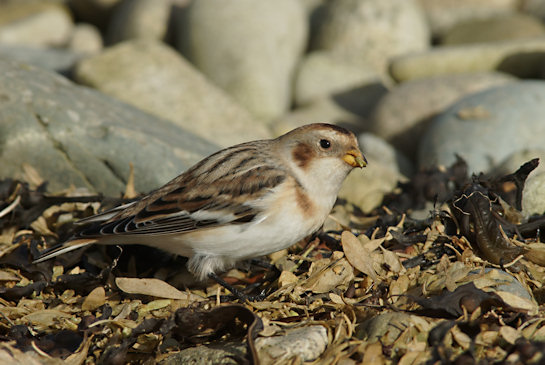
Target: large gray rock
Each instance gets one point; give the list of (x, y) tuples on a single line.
[(154, 78), (35, 24), (248, 47), (61, 60), (404, 113), (139, 19), (522, 58), (372, 31), (486, 127), (74, 135)]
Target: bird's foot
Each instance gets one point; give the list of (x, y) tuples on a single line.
[(238, 294)]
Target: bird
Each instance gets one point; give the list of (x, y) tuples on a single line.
[(243, 202)]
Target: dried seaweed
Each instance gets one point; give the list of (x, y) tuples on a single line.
[(457, 285)]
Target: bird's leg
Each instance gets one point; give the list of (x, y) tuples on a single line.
[(237, 293)]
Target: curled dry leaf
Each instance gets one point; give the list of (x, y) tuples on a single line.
[(327, 275), (155, 288), (392, 260), (358, 255), (95, 299), (287, 278)]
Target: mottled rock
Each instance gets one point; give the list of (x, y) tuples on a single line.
[(76, 136), (222, 354), (391, 324), (138, 19), (321, 74), (250, 48), (402, 116), (486, 127), (53, 59), (499, 28), (443, 14), (371, 31), (154, 78), (35, 24), (522, 58), (306, 343)]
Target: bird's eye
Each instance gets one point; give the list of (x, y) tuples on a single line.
[(325, 144)]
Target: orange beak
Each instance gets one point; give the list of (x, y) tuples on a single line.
[(355, 158)]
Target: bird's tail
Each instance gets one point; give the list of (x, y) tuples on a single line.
[(63, 248)]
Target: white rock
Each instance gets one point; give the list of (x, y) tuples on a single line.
[(155, 78), (250, 48), (85, 39), (497, 56), (533, 195), (324, 73), (35, 24), (443, 14), (372, 31)]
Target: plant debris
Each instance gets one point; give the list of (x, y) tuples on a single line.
[(463, 284)]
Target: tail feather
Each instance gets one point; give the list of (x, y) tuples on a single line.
[(104, 216), (63, 248)]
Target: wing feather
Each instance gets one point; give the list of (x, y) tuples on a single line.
[(208, 195)]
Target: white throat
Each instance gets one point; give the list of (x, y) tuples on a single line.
[(322, 179)]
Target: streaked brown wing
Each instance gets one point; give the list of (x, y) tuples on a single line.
[(181, 207)]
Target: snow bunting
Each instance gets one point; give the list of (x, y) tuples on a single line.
[(245, 201)]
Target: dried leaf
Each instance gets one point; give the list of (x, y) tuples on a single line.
[(8, 276), (130, 191), (338, 273), (154, 287), (31, 175), (392, 260), (399, 287), (358, 255), (374, 354), (287, 278), (509, 334), (44, 318), (461, 338), (518, 302), (95, 299)]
